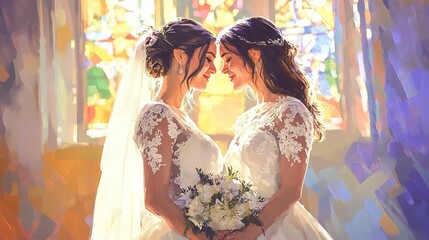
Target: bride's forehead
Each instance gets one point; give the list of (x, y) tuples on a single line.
[(223, 50), (212, 46)]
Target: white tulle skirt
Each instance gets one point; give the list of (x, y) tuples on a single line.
[(155, 228), (299, 224)]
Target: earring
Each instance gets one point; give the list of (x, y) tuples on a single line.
[(180, 69)]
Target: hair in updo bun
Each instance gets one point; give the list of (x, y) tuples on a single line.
[(185, 34), (158, 54)]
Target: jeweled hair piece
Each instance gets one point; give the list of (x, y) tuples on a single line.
[(269, 42)]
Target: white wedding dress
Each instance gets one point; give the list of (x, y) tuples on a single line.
[(191, 149), (255, 151)]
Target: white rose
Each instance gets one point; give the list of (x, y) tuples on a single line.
[(217, 178), (206, 192), (230, 185), (197, 220), (217, 216), (234, 223), (199, 187), (241, 210), (214, 189), (228, 219), (195, 207), (253, 200)]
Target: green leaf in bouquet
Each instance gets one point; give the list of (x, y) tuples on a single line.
[(262, 199), (192, 191), (233, 202), (204, 178), (189, 225), (232, 174), (252, 219), (245, 187), (210, 233)]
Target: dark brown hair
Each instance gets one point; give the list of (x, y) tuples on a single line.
[(183, 33), (280, 72)]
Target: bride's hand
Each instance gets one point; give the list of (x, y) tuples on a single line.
[(201, 236), (248, 233), (220, 235), (235, 235)]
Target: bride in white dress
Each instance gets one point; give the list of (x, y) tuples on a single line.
[(140, 182), (273, 140)]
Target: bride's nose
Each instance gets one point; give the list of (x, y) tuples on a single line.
[(212, 68), (225, 68)]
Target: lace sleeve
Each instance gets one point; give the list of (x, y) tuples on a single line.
[(294, 133), (241, 119), (241, 122), (156, 129)]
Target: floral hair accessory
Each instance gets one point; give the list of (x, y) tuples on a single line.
[(153, 37)]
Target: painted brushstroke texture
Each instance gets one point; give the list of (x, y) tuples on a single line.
[(367, 180)]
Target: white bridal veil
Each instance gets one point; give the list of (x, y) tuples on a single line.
[(119, 203)]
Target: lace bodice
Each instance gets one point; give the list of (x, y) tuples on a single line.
[(159, 123), (265, 133)]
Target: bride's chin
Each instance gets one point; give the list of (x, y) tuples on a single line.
[(200, 88), (238, 87)]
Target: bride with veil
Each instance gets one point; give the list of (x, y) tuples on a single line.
[(152, 146)]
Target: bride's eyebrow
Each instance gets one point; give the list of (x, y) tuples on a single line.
[(223, 54), (214, 55)]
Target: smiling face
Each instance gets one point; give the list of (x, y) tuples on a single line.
[(234, 66), (199, 81)]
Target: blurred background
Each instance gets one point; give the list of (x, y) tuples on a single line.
[(60, 67)]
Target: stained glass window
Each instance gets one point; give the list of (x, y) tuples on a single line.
[(110, 32), (310, 26)]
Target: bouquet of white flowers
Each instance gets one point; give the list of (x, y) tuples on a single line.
[(220, 202)]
